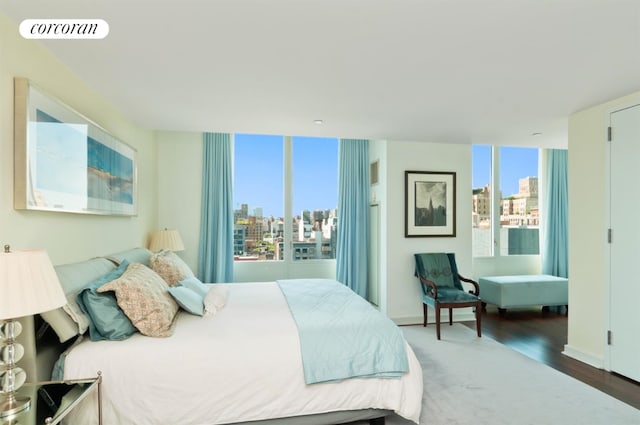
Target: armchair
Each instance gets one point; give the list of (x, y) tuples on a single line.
[(441, 286)]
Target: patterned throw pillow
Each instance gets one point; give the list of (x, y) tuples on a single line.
[(144, 297), (170, 267)]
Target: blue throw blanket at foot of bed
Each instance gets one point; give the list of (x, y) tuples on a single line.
[(341, 335)]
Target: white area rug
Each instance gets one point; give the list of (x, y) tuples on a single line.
[(478, 381)]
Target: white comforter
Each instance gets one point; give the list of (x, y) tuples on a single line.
[(240, 365)]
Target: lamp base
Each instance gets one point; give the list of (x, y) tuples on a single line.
[(13, 405)]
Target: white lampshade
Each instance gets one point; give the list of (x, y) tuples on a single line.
[(28, 284), (166, 239)]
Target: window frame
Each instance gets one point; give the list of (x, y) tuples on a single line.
[(289, 260)]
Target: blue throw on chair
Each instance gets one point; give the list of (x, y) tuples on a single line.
[(441, 286)]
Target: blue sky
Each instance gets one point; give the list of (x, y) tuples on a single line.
[(258, 171), (257, 179), (515, 163)]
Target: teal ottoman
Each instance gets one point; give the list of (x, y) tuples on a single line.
[(524, 291)]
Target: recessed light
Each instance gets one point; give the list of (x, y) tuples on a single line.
[(319, 122)]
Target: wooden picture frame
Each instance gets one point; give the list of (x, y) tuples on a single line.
[(430, 204), (64, 162)]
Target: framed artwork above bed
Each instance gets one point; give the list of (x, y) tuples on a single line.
[(65, 162)]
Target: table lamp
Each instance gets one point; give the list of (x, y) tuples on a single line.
[(28, 285), (166, 239)]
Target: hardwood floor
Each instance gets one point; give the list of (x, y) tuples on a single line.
[(542, 335)]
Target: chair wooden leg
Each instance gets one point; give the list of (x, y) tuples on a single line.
[(450, 316), (424, 313), (438, 322), (479, 319)]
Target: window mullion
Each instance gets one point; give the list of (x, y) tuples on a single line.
[(495, 200), (288, 198)]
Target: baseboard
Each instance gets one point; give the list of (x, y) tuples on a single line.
[(458, 316), (407, 320), (583, 357)]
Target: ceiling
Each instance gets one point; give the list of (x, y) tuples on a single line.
[(461, 71)]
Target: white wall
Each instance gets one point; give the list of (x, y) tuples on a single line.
[(179, 178), (404, 303), (67, 237), (588, 280)]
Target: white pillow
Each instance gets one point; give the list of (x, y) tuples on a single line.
[(75, 312), (216, 299)]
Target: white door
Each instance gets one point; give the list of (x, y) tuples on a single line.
[(625, 243)]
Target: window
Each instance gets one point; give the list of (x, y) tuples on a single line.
[(315, 198), (258, 195), (519, 215), (515, 229), (482, 202), (286, 192)]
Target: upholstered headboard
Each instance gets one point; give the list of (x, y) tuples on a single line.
[(46, 336)]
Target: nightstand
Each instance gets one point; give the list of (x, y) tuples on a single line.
[(53, 400)]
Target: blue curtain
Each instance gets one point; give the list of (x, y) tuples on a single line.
[(352, 250), (555, 254), (215, 262)]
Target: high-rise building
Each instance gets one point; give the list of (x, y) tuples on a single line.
[(481, 206), (528, 186), (521, 209)]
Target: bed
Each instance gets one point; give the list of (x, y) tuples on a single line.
[(242, 361)]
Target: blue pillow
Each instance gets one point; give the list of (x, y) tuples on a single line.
[(189, 300), (195, 285), (106, 319)]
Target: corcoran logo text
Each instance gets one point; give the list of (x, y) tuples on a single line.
[(64, 28)]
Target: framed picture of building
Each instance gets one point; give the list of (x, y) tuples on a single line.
[(430, 204), (64, 162)]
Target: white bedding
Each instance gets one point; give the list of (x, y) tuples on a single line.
[(240, 365)]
